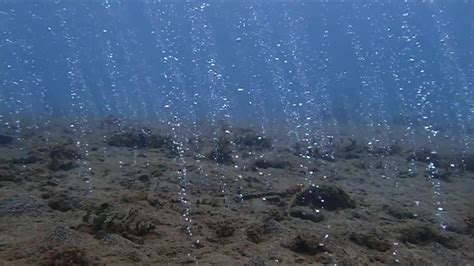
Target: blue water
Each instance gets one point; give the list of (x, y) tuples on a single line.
[(244, 60)]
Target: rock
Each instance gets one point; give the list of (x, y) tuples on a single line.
[(63, 158), (247, 139), (264, 164), (144, 178), (305, 213), (17, 206), (469, 226), (4, 139), (222, 153), (115, 240), (56, 165), (398, 212), (31, 159), (327, 197), (306, 244), (223, 228), (7, 176), (256, 261), (259, 232), (371, 240), (143, 139), (62, 236), (350, 147), (406, 174), (424, 234), (67, 256), (425, 155), (62, 203), (116, 219)]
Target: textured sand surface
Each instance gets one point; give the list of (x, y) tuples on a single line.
[(65, 203)]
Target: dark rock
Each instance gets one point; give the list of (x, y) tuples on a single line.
[(56, 165), (275, 214), (115, 240), (62, 203), (406, 174), (469, 226), (305, 213), (31, 159), (327, 197), (63, 235), (329, 157), (222, 229), (144, 139), (264, 164), (51, 183), (4, 139), (259, 232), (144, 178), (423, 234), (22, 206), (9, 176), (371, 240), (250, 140), (256, 261), (222, 153), (352, 147), (306, 244), (67, 256), (360, 165), (63, 158), (398, 212), (442, 174), (273, 199), (425, 155), (394, 149)]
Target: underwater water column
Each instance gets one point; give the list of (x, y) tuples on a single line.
[(312, 66), (207, 64), (178, 108), (454, 79), (79, 110), (271, 51), (370, 57), (23, 86), (419, 87), (250, 89)]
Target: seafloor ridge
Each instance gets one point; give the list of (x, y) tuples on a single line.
[(118, 194)]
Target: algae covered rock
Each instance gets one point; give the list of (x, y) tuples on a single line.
[(264, 164), (115, 219), (424, 234), (247, 139), (67, 256), (222, 152), (425, 155), (306, 244), (305, 213), (371, 240), (63, 157), (260, 231), (327, 197)]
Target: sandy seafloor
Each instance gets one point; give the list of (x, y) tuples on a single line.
[(104, 202)]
